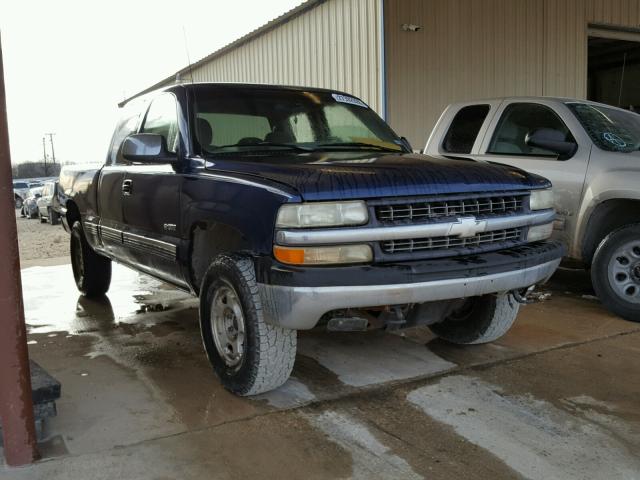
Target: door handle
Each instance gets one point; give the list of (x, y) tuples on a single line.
[(127, 187)]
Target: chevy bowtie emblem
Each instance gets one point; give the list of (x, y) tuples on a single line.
[(467, 227)]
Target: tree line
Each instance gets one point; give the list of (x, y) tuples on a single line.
[(35, 169)]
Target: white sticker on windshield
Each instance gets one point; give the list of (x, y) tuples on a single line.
[(350, 100), (614, 139)]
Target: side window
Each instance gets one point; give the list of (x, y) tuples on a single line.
[(162, 119), (127, 125), (464, 129), (520, 119)]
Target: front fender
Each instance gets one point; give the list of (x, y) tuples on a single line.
[(227, 214), (621, 184)]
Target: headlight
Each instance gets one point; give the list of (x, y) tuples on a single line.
[(541, 199), (343, 254), (540, 232), (322, 214)]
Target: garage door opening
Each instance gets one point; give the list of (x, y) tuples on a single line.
[(614, 71)]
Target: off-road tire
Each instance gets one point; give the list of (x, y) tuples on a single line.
[(91, 271), (610, 298), (269, 351), (481, 320)]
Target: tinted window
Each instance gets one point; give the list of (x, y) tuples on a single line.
[(162, 119), (231, 128), (610, 128), (127, 125), (241, 119), (20, 185), (464, 129), (520, 119)]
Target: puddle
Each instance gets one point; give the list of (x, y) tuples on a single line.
[(52, 303)]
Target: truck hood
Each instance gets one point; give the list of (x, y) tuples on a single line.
[(354, 175)]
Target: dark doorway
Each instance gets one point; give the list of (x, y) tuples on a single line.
[(614, 72)]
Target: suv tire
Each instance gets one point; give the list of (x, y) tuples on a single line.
[(54, 217), (91, 271), (249, 355), (615, 272), (480, 320)]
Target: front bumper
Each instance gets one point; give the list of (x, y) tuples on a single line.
[(300, 306)]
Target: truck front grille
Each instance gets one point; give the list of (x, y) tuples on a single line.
[(487, 239), (421, 211)]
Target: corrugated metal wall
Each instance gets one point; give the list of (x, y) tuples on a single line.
[(334, 45), (470, 49)]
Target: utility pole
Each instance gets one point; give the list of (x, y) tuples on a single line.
[(53, 152), (44, 153), (16, 401)]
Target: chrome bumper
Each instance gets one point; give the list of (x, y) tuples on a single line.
[(300, 308)]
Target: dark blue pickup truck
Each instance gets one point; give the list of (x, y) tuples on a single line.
[(287, 208)]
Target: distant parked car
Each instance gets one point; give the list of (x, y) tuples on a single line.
[(48, 205), (20, 192), (29, 207)]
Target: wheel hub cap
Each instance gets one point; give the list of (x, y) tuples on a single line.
[(227, 325), (624, 272)]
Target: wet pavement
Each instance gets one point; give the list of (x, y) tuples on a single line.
[(555, 398)]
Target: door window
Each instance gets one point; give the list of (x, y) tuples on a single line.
[(465, 128), (127, 125), (521, 119), (162, 119)]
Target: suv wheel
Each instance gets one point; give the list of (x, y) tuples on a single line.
[(479, 320), (615, 272), (18, 201), (54, 217), (249, 355), (92, 272)]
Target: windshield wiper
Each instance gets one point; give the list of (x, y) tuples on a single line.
[(254, 146), (359, 146)]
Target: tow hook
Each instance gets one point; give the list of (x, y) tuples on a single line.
[(522, 295)]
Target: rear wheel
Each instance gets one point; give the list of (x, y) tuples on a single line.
[(615, 272), (479, 320), (18, 201), (92, 272), (249, 355)]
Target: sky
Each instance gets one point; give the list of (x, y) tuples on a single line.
[(68, 63)]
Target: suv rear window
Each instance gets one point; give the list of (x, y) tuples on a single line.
[(464, 129)]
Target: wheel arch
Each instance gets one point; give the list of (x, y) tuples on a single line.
[(607, 217)]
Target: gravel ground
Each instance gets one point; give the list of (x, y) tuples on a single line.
[(39, 241)]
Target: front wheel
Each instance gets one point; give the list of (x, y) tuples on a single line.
[(249, 355), (54, 217), (615, 272), (92, 272), (479, 320)]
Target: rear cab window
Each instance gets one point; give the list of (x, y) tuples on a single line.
[(464, 129)]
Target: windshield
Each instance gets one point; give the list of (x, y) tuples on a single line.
[(611, 129), (234, 119), (20, 185)]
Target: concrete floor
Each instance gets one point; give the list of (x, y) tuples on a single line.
[(558, 397)]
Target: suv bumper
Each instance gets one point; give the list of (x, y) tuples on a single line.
[(301, 307)]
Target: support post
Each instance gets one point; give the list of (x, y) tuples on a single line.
[(16, 404)]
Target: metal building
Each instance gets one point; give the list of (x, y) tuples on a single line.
[(409, 58)]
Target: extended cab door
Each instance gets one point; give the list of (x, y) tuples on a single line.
[(151, 199)]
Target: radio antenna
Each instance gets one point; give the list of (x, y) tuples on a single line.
[(186, 49)]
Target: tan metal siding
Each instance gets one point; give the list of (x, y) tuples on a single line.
[(469, 49), (334, 45)]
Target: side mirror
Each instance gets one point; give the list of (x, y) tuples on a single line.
[(147, 148), (552, 140)]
